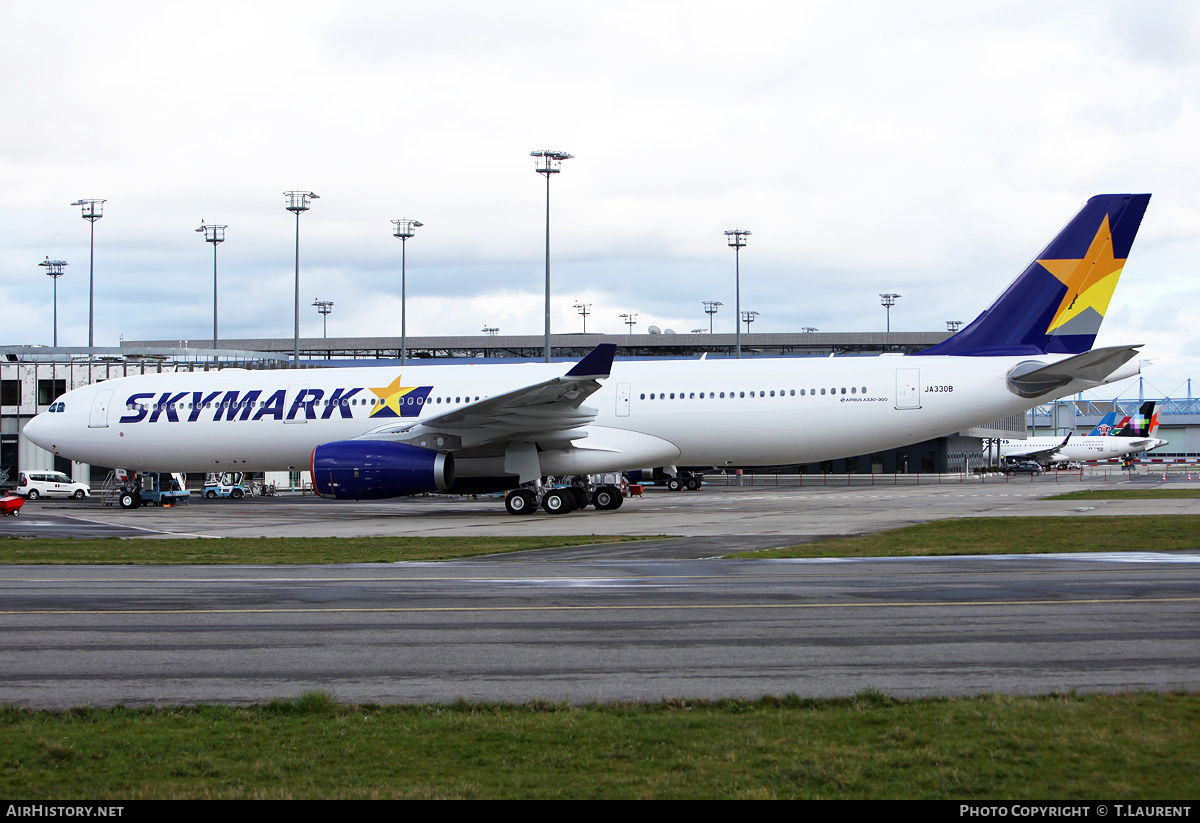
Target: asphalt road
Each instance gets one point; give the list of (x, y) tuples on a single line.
[(640, 621)]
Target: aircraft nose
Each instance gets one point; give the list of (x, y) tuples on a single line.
[(39, 430)]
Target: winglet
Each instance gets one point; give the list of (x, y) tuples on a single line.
[(597, 363)]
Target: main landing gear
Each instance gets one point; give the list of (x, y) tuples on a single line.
[(560, 499)]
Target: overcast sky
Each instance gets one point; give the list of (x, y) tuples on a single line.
[(924, 148)]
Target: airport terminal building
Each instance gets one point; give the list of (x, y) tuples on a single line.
[(32, 377)]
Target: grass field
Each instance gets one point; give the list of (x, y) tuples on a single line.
[(1063, 747), (274, 550), (1011, 535)]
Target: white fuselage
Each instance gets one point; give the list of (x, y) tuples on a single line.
[(1078, 449), (679, 412)]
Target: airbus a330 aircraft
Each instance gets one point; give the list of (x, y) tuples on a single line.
[(370, 433), (1136, 436)]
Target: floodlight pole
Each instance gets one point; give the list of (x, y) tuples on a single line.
[(630, 320), (584, 310), (737, 239), (548, 165), (953, 326), (298, 203), (749, 317), (887, 301), (324, 307), (710, 308), (54, 268), (93, 210), (214, 234), (404, 229)]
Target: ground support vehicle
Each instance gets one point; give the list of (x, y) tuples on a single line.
[(162, 489), (225, 484), (10, 505), (690, 480), (559, 495)]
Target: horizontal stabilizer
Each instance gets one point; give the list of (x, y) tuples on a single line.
[(1032, 379)]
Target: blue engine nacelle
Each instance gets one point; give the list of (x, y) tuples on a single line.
[(377, 469)]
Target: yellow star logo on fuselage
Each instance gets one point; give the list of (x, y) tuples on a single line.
[(390, 396), (1090, 280)]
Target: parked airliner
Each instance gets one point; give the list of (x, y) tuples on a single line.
[(370, 433), (1137, 435)]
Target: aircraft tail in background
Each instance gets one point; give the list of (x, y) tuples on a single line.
[(1142, 424), (1057, 304)]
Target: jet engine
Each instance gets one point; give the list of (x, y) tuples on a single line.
[(378, 469)]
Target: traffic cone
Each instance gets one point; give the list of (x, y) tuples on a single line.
[(1164, 476)]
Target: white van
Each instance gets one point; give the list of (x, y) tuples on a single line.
[(33, 485)]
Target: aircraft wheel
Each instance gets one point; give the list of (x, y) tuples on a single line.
[(128, 501), (237, 494), (674, 485), (608, 498), (559, 501), (520, 501), (78, 494), (32, 495), (693, 484)]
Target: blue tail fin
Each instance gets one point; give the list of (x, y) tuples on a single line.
[(1105, 427), (1057, 304)]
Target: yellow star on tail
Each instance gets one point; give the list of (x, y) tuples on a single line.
[(1090, 280)]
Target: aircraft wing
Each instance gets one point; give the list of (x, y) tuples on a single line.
[(548, 414)]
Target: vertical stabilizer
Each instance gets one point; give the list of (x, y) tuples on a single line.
[(1057, 304)]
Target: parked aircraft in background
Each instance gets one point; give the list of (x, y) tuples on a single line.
[(369, 433), (1136, 436)]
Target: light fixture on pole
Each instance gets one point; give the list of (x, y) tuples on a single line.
[(887, 301), (630, 321), (809, 329), (490, 331), (953, 326), (324, 307), (93, 210), (737, 239), (54, 268), (404, 229), (548, 165), (710, 308), (584, 310), (214, 234), (298, 203), (749, 317)]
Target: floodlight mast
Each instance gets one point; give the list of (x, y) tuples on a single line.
[(887, 300), (710, 308), (953, 326), (404, 229), (630, 320), (749, 317), (584, 310), (737, 239), (549, 164), (54, 268), (214, 234), (93, 210), (298, 203), (324, 307)]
